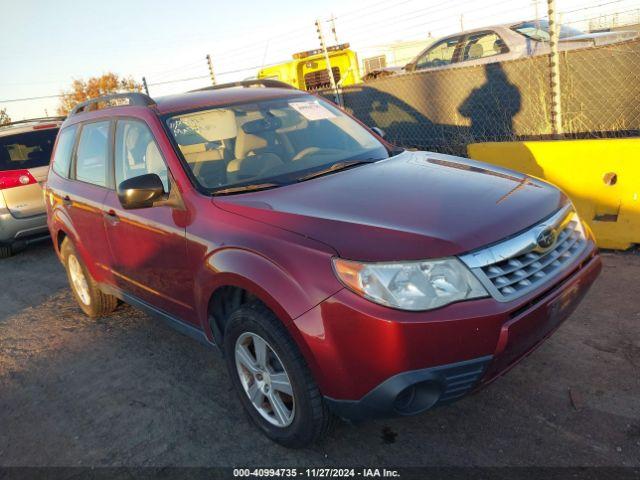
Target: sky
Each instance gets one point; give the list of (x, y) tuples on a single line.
[(49, 43)]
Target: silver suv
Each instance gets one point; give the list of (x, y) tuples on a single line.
[(25, 152)]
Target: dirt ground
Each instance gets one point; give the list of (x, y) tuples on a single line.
[(129, 391)]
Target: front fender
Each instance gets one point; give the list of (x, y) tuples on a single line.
[(284, 292)]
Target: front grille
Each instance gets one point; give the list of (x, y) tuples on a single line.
[(320, 79), (512, 268)]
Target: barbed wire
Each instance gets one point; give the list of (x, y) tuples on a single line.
[(355, 27)]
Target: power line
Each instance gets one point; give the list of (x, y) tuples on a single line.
[(593, 6), (30, 98)]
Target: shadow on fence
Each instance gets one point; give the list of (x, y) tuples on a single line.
[(445, 110)]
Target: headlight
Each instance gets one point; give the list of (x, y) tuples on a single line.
[(420, 285)]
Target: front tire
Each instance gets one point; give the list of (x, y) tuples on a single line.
[(88, 295), (272, 379)]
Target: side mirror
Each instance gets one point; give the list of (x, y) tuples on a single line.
[(140, 192), (378, 131)]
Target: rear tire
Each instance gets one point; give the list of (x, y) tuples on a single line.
[(88, 295), (309, 419), (6, 251)]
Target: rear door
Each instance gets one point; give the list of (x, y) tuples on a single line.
[(24, 159), (483, 47), (83, 195)]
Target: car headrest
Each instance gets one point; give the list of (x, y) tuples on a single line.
[(475, 51), (247, 143)]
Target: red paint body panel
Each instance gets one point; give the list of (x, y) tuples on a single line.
[(357, 345), (415, 205), (278, 245)]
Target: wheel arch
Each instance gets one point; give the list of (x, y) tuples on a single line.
[(235, 276), (61, 228)]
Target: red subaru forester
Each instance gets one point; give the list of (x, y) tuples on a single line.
[(339, 275)]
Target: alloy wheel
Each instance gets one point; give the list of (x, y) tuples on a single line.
[(78, 279), (264, 379)]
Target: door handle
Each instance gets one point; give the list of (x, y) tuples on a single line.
[(67, 201), (111, 216)]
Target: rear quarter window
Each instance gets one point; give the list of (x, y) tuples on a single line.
[(62, 155), (27, 149)]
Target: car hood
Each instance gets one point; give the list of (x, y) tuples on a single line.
[(415, 205), (602, 38)]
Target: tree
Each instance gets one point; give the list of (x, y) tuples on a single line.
[(5, 119), (83, 90)]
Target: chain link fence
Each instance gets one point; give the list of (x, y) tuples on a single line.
[(445, 110)]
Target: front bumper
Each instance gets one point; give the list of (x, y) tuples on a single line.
[(373, 361), (13, 230)]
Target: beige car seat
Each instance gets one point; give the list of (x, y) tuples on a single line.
[(475, 51), (250, 162)]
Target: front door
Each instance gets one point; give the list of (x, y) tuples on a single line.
[(147, 246)]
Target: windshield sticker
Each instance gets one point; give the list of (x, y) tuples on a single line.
[(312, 110)]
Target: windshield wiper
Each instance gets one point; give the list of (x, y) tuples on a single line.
[(247, 188), (334, 168)]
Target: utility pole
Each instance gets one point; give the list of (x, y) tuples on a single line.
[(333, 29), (462, 22), (144, 84), (554, 71), (323, 46), (211, 74)]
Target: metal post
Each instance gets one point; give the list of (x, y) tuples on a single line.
[(323, 46), (145, 86), (554, 71), (462, 22), (333, 29), (211, 74)]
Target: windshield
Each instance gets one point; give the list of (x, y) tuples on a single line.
[(269, 142), (539, 30)]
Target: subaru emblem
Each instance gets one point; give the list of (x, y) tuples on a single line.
[(546, 239)]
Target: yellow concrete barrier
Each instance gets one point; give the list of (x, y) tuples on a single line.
[(601, 176)]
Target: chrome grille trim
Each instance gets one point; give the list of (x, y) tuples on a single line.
[(518, 265)]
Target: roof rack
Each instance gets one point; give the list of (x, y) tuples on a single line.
[(135, 98), (32, 120), (260, 82)]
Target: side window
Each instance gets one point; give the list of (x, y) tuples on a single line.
[(481, 45), (91, 156), (62, 155), (137, 153), (442, 53)]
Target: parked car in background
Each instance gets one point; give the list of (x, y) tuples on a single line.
[(339, 275), (25, 152), (500, 43)]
